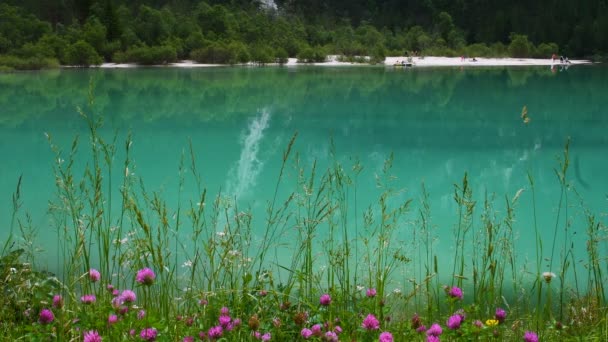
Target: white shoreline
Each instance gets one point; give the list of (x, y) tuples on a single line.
[(390, 61)]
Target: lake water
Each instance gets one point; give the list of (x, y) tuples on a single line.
[(438, 122)]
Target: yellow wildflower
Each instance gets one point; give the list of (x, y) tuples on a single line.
[(491, 322)]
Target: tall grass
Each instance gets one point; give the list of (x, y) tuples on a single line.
[(210, 252)]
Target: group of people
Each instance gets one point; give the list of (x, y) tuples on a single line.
[(562, 59), (463, 58)]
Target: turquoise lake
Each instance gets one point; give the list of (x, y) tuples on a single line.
[(437, 122)]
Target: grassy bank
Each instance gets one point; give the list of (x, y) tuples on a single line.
[(128, 274)]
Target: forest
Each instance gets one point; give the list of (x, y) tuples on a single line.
[(42, 34)]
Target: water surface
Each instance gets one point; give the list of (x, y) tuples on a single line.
[(438, 124)]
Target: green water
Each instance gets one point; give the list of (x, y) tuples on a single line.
[(438, 123)]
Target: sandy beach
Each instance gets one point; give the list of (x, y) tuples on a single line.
[(427, 61)]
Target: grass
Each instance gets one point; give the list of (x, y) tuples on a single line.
[(225, 283)]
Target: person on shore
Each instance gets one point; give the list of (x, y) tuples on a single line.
[(553, 57)]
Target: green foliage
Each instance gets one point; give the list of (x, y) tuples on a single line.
[(281, 55), (312, 55), (82, 53), (520, 46), (147, 55), (10, 62), (262, 54), (18, 27), (546, 50), (24, 290), (215, 53), (478, 50), (151, 25)]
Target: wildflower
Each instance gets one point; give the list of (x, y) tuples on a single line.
[(478, 323), (94, 275), (128, 296), (92, 336), (215, 332), (371, 292), (203, 302), (421, 329), (145, 276), (434, 330), (299, 318), (491, 322), (338, 329), (454, 322), (385, 337), (316, 329), (500, 315), (224, 311), (224, 321), (548, 276), (110, 288), (112, 319), (325, 299), (530, 336), (189, 321), (46, 316), (454, 292), (262, 293), (285, 305), (432, 338), (331, 336), (371, 323), (236, 322), (415, 321), (266, 337), (306, 333), (276, 322), (57, 301), (254, 322), (117, 302), (148, 334), (141, 314), (202, 335), (257, 335), (115, 293), (188, 339), (461, 313), (88, 299)]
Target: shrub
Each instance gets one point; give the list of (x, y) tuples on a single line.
[(545, 50), (82, 53), (520, 46), (479, 49), (216, 53), (148, 55), (240, 52), (281, 56), (8, 62), (262, 54)]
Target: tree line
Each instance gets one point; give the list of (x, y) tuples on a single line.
[(37, 34)]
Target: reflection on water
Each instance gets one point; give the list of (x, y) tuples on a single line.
[(439, 123), (243, 175)]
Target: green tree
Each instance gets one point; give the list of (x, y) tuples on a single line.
[(82, 53), (150, 26), (18, 27), (520, 46)]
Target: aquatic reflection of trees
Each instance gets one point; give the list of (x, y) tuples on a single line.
[(187, 96)]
